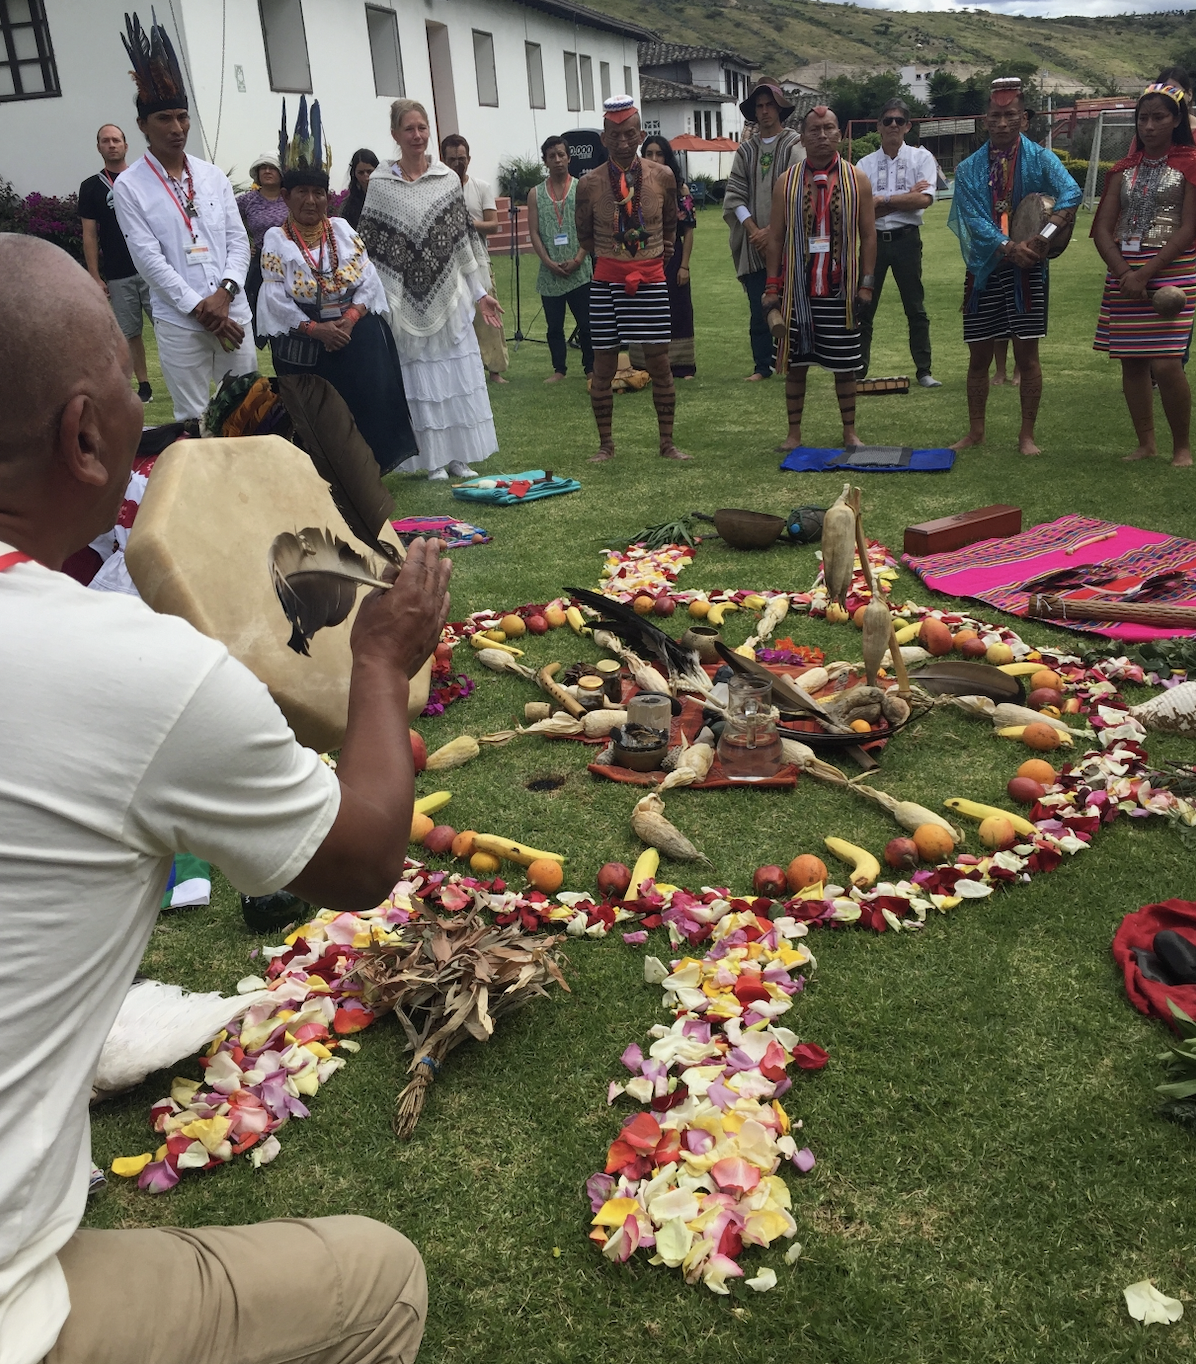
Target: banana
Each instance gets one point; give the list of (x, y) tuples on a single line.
[(907, 633), (645, 868), (1017, 731), (1021, 669), (755, 602), (865, 867), (970, 809), (512, 851), (427, 805), (480, 641), (577, 621), (716, 613)]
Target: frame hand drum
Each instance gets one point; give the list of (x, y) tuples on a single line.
[(198, 549)]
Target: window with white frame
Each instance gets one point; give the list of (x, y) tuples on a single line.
[(587, 83), (286, 45), (718, 123), (572, 84), (652, 126), (604, 78), (385, 53), (483, 60), (627, 87), (27, 67), (535, 75)]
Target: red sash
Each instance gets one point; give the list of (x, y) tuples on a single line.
[(629, 273), (13, 558)]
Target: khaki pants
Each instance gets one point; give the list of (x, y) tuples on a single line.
[(330, 1290), (490, 340)]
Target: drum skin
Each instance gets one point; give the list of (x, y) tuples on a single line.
[(198, 549)]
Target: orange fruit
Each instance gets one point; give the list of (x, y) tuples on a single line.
[(642, 605), (421, 827), (1041, 737), (962, 637), (997, 832), (933, 842), (1046, 677), (463, 843), (545, 875), (699, 609), (805, 870), (857, 617), (485, 864), (1039, 770), (861, 726), (512, 626), (555, 616)]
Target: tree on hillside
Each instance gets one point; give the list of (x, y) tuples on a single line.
[(852, 99)]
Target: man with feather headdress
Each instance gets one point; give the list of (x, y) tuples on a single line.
[(184, 233)]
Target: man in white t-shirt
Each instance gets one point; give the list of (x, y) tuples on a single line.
[(479, 200), (128, 737), (903, 180)]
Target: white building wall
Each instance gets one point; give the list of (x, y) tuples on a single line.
[(50, 146)]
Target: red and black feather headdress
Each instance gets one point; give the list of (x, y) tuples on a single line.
[(155, 67)]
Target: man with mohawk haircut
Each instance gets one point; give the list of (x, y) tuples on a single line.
[(184, 233)]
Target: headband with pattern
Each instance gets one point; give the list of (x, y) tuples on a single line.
[(1172, 92)]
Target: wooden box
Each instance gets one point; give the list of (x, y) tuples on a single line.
[(953, 532)]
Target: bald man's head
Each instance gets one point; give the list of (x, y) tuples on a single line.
[(71, 420), (68, 342)]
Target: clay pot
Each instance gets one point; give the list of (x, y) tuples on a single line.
[(702, 638)]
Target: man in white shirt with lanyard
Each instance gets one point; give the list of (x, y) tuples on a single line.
[(128, 736), (903, 180), (186, 237)]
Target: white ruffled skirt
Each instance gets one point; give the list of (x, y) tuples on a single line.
[(448, 398)]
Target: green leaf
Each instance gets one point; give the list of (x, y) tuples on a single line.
[(1181, 1089)]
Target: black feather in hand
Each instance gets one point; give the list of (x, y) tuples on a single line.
[(633, 629), (316, 576)]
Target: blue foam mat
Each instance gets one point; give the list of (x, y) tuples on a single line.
[(808, 459)]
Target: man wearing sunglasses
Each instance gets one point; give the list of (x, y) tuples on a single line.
[(903, 180)]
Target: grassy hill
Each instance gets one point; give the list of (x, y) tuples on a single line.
[(1101, 53)]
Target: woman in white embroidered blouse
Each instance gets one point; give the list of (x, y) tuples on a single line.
[(323, 307)]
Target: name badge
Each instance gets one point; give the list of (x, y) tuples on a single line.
[(1131, 244), (330, 312), (561, 239), (198, 253), (819, 246)]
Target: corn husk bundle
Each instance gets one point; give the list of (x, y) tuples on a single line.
[(449, 980), (693, 763), (807, 761), (594, 724), (499, 661), (453, 754), (838, 547), (907, 813), (649, 823), (1172, 711), (774, 613)]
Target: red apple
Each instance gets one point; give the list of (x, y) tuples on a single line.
[(1044, 696), (444, 653), (440, 840), (973, 648), (1025, 790), (770, 882), (613, 880), (901, 854), (664, 605), (537, 625), (419, 751)]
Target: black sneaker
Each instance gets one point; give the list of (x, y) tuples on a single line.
[(272, 913), (144, 392)]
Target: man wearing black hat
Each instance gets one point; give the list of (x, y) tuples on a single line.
[(759, 163), (185, 236)]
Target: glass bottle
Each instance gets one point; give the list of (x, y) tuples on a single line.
[(750, 747)]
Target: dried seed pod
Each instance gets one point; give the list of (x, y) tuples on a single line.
[(838, 547), (649, 823), (453, 754)]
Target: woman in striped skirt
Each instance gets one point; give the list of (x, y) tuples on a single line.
[(1145, 231)]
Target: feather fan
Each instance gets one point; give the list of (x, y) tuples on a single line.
[(316, 576), (325, 429), (633, 629), (155, 65), (159, 1025)]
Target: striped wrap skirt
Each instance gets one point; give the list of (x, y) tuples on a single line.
[(1129, 328), (618, 318)]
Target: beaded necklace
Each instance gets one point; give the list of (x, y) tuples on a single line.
[(326, 239), (629, 230)]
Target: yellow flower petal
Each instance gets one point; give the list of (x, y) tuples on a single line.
[(129, 1166)]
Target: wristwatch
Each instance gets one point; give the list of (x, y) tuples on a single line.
[(231, 287)]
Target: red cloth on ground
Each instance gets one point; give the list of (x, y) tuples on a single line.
[(1138, 930)]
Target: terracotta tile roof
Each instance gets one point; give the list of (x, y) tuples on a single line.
[(665, 54), (655, 91)]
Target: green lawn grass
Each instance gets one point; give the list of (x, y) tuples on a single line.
[(991, 1167)]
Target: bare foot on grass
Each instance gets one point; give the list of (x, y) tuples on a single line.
[(498, 379), (554, 378), (605, 452), (756, 378), (670, 451), (1026, 446), (971, 439), (998, 380), (1144, 451), (1182, 459)]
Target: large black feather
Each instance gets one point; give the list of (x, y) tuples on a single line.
[(325, 428), (633, 629), (948, 677), (316, 577)]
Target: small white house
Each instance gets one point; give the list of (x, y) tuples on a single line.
[(694, 90), (916, 79), (503, 73)]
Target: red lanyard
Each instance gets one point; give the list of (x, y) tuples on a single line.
[(313, 261), (169, 188), (559, 208), (12, 559)]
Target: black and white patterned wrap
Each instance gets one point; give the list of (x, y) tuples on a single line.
[(423, 243)]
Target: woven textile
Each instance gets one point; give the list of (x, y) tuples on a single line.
[(423, 244), (997, 313), (1128, 327), (618, 318)]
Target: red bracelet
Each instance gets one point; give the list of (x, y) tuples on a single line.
[(778, 280)]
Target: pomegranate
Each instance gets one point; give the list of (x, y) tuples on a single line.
[(613, 880), (901, 854), (770, 882), (537, 625)]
